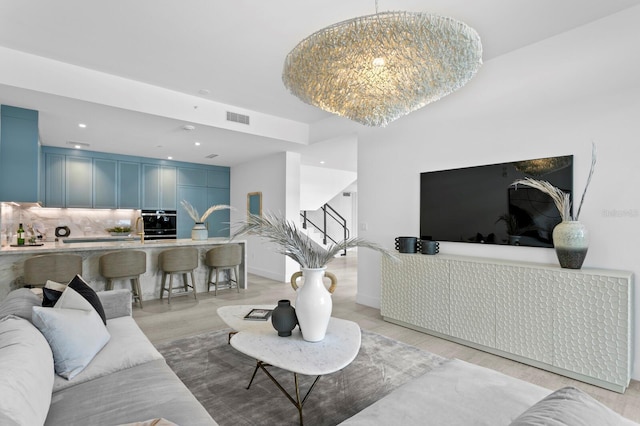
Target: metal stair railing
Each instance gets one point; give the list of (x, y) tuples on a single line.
[(328, 212)]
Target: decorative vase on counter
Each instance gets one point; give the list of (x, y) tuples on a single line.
[(571, 241), (199, 232), (313, 302), (283, 318)]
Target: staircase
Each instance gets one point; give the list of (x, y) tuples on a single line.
[(320, 230)]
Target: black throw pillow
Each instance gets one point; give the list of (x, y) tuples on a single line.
[(50, 297), (80, 285)]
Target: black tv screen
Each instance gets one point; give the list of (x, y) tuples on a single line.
[(479, 204)]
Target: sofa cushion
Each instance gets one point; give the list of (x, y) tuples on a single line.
[(454, 393), (127, 348), (79, 285), (20, 303), (570, 407), (75, 337), (26, 373), (150, 390)]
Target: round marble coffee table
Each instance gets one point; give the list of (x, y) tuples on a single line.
[(259, 340)]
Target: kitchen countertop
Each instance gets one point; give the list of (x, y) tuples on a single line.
[(107, 244)]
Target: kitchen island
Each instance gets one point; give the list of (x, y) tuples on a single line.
[(12, 261)]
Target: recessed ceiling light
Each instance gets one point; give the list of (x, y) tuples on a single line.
[(169, 158), (78, 145), (322, 162), (188, 127), (82, 125), (204, 91), (196, 143)]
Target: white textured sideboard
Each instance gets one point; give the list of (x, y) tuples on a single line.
[(577, 323)]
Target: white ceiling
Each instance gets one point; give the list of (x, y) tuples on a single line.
[(234, 50)]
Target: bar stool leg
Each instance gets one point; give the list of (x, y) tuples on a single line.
[(170, 287), (236, 272), (164, 280), (193, 284), (135, 283)]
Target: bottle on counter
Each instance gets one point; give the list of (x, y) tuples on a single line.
[(20, 235)]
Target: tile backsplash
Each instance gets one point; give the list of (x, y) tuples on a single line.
[(43, 221)]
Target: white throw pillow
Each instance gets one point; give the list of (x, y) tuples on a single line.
[(71, 299), (26, 373), (75, 337)]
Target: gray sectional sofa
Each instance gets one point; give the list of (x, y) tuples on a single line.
[(127, 381)]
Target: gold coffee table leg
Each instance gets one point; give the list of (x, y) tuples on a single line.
[(297, 402)]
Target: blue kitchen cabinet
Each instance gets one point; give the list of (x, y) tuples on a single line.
[(128, 185), (104, 183), (218, 221), (192, 177), (19, 154), (218, 178), (54, 187), (159, 187), (79, 182), (197, 197)]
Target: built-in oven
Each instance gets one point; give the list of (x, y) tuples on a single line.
[(159, 224)]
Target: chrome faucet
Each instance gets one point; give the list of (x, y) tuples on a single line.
[(141, 233)]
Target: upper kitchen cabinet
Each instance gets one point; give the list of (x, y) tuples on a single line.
[(75, 178), (19, 154), (54, 182), (105, 194), (219, 177), (159, 187), (79, 182), (128, 185)]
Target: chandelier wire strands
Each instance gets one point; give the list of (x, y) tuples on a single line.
[(375, 69)]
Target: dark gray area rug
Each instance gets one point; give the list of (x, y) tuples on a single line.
[(218, 376)]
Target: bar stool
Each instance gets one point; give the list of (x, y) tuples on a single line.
[(124, 265), (55, 267), (181, 260), (225, 257)]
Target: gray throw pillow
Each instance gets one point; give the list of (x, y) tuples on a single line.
[(19, 303)]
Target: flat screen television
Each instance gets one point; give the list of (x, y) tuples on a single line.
[(479, 204)]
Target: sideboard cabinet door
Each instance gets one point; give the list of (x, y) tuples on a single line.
[(473, 302), (415, 291), (591, 326), (524, 312)]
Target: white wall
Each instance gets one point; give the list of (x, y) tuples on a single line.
[(278, 178), (551, 98)]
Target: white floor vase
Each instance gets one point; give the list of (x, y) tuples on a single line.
[(313, 302)]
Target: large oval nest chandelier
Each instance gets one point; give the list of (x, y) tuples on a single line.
[(377, 68)]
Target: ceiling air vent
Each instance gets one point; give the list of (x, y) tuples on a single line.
[(211, 156), (238, 118)]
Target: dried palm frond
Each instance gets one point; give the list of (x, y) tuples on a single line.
[(561, 199), (295, 244), (193, 212)]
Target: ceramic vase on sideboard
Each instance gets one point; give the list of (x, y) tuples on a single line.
[(199, 232), (571, 241), (313, 302)]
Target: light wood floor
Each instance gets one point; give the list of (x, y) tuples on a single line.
[(185, 316)]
